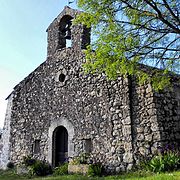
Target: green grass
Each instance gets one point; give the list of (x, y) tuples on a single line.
[(10, 175), (146, 176)]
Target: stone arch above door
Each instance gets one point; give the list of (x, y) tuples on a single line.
[(70, 129)]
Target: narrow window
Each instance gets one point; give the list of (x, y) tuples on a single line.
[(36, 147), (87, 145)]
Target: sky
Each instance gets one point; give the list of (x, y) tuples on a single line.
[(23, 40)]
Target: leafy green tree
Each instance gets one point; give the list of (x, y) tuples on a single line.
[(128, 33)]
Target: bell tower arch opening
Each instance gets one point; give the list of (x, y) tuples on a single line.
[(62, 33), (65, 39)]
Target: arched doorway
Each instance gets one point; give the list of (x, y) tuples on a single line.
[(60, 144), (55, 123)]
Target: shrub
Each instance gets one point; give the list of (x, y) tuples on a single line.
[(156, 164), (61, 170), (10, 165), (95, 169), (41, 168), (172, 159), (28, 161), (168, 161), (37, 167), (84, 158)]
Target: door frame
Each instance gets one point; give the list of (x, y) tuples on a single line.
[(70, 129)]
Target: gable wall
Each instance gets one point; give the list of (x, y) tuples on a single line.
[(97, 108), (120, 117)]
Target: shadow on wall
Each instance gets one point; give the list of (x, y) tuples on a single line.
[(155, 119), (168, 115)]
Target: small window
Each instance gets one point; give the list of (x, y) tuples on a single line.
[(62, 77), (87, 145), (36, 147)]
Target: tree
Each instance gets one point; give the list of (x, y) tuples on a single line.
[(128, 33)]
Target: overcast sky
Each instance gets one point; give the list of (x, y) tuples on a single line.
[(23, 40)]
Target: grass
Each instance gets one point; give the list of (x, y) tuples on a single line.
[(10, 175), (139, 175), (147, 176)]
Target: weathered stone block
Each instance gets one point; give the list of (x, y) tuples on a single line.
[(78, 169)]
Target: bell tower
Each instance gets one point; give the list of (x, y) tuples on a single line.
[(63, 34)]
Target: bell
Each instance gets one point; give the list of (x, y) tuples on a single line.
[(68, 34), (68, 31)]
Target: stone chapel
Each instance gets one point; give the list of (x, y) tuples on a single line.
[(58, 112)]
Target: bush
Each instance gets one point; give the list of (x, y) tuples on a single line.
[(37, 167), (95, 169), (61, 170), (168, 161), (172, 161), (84, 158), (28, 161), (10, 165), (41, 168)]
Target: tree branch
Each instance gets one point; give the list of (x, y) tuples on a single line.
[(170, 10), (147, 28), (160, 16)]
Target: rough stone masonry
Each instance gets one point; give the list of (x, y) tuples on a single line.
[(58, 112)]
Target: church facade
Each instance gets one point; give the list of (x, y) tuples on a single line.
[(57, 112)]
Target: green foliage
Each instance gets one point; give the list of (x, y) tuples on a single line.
[(95, 169), (41, 168), (28, 161), (61, 170), (75, 161), (84, 158), (131, 32), (10, 174), (156, 164), (37, 167), (169, 161), (172, 161)]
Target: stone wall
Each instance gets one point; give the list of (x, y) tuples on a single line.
[(80, 35), (5, 139), (144, 121), (97, 108), (119, 117), (168, 115)]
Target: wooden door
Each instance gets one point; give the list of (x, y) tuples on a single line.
[(61, 145)]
